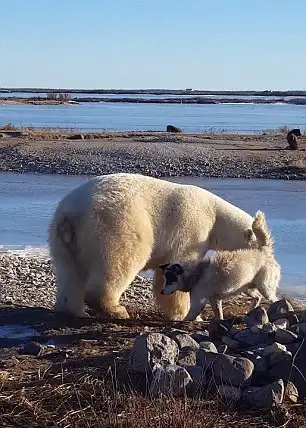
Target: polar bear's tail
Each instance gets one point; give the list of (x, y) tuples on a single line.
[(62, 237), (262, 232)]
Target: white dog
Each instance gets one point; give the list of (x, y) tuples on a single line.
[(252, 271)]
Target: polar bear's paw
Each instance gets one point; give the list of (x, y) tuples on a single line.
[(118, 312)]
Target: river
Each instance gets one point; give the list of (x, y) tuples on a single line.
[(248, 118), (28, 201)]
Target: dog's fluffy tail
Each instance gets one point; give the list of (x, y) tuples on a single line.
[(262, 231)]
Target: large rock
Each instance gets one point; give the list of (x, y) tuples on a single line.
[(280, 365), (187, 357), (199, 380), (229, 393), (279, 309), (226, 369), (247, 338), (200, 336), (282, 323), (297, 374), (183, 340), (231, 343), (273, 349), (301, 328), (291, 393), (303, 316), (151, 349), (258, 316), (208, 346), (284, 336), (170, 381), (265, 397)]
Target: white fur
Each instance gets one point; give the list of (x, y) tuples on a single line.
[(120, 224), (253, 271)]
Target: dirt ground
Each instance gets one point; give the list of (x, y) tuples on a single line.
[(82, 377)]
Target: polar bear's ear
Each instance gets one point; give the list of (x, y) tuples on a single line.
[(164, 267), (248, 234)]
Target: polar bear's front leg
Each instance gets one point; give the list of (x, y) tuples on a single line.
[(175, 306)]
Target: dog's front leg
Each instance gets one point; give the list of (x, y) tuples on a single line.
[(217, 308), (196, 308)]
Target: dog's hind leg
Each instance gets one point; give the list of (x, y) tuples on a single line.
[(256, 296), (217, 308)]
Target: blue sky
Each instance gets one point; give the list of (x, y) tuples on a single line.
[(201, 44)]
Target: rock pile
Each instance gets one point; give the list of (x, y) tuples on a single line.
[(259, 359)]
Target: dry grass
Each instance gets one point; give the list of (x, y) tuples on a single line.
[(89, 400)]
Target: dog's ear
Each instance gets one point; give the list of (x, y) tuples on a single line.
[(164, 267), (177, 268), (248, 234)]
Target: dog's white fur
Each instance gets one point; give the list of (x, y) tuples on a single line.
[(252, 271), (110, 228)]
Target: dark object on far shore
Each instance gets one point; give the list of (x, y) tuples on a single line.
[(76, 137), (292, 138), (171, 128)]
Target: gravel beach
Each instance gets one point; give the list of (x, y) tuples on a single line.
[(30, 282), (157, 154)]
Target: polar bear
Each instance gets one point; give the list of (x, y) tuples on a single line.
[(107, 230)]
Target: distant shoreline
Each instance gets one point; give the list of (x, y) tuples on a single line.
[(190, 100), (266, 93)]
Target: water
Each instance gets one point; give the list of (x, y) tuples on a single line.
[(28, 201), (155, 117)]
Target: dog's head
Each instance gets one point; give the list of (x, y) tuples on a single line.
[(173, 278)]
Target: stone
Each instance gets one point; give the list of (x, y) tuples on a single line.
[(208, 346), (273, 348), (231, 343), (222, 348), (226, 369), (279, 310), (183, 340), (298, 371), (301, 329), (151, 349), (291, 393), (217, 329), (279, 364), (246, 337), (171, 380), (268, 328), (302, 317), (33, 348), (265, 397), (282, 323), (174, 129), (200, 336), (198, 375), (229, 393), (258, 316), (187, 357), (76, 137), (284, 336), (260, 365)]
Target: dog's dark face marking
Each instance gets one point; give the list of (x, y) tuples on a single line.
[(171, 274)]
